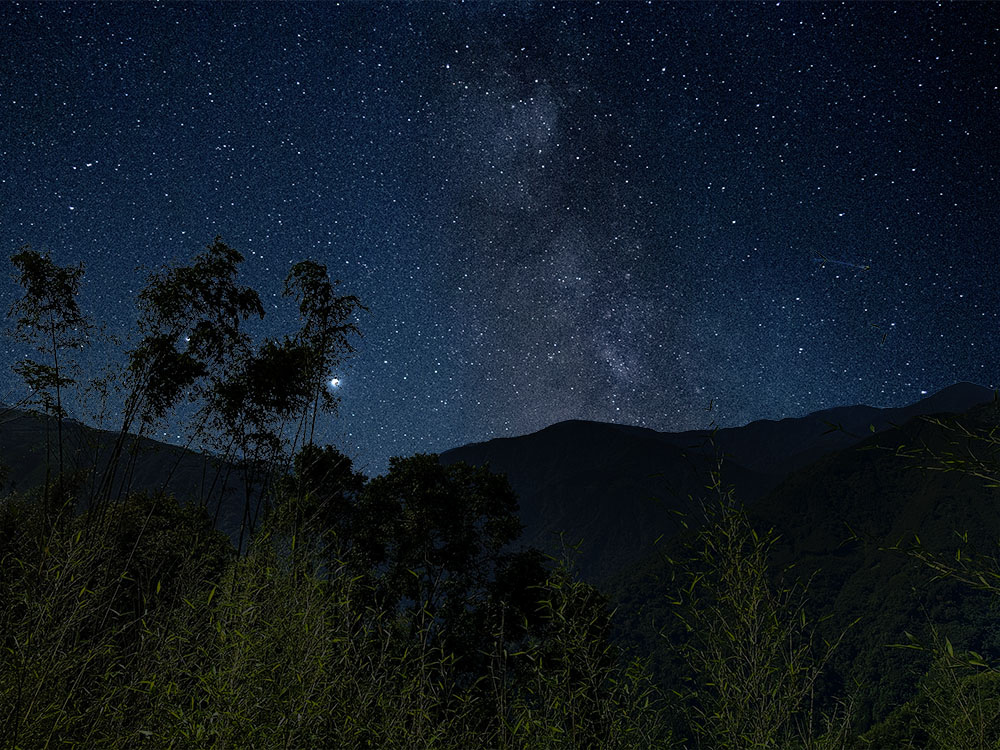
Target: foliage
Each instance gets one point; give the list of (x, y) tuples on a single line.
[(574, 692), (364, 613), (260, 651), (194, 350), (748, 646), (836, 519), (428, 540), (957, 705), (326, 327), (317, 504), (958, 699), (435, 532), (392, 612), (48, 317), (201, 306)]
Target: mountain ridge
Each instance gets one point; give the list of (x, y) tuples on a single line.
[(838, 520), (615, 487), (609, 473)]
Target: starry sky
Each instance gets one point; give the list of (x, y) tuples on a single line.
[(612, 211)]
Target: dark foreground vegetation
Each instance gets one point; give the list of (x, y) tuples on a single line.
[(388, 612)]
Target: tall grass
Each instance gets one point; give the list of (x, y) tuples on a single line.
[(273, 653)]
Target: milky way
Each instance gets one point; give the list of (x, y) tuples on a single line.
[(609, 212)]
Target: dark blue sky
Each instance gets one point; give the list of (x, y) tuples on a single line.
[(609, 212)]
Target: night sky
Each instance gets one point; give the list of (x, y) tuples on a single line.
[(615, 212)]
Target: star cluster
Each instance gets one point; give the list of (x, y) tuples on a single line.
[(615, 212)]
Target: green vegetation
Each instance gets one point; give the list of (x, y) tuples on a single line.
[(751, 657), (363, 613), (392, 612)]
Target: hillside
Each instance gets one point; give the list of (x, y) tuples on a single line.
[(836, 517), (619, 488), (614, 488), (188, 475), (838, 499)]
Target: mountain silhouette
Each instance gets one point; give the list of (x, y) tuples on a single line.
[(838, 520), (617, 489), (836, 485), (186, 474), (614, 488)]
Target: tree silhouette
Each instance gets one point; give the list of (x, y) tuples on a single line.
[(387, 611), (283, 380), (49, 318), (326, 327), (189, 322), (434, 536)]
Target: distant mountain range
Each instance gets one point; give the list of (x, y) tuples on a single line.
[(614, 488), (186, 474), (618, 488), (835, 485), (817, 480), (838, 519)]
